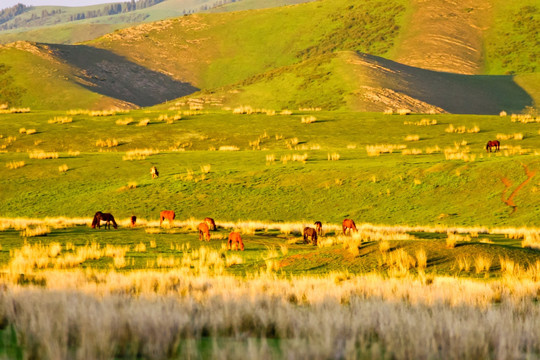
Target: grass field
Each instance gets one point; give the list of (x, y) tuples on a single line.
[(445, 229)]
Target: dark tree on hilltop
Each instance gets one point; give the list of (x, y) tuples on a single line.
[(9, 13)]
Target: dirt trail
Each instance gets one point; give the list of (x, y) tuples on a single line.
[(446, 35), (508, 184)]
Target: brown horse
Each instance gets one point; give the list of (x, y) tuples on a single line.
[(108, 218), (211, 223), (133, 220), (235, 240), (318, 227), (166, 215), (349, 224), (493, 144), (154, 172), (310, 232), (204, 230)]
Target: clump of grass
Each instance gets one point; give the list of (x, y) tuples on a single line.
[(531, 240), (228, 148), (412, 137), (15, 165), (125, 121), (39, 154), (140, 247), (139, 154), (333, 156), (463, 263), (404, 111), (270, 158), (388, 112), (143, 122), (411, 152), (291, 143), (308, 119), (130, 186), (515, 136), (110, 112), (15, 110), (63, 168), (39, 230), (503, 113), (107, 143), (74, 153), (423, 122), (60, 120), (205, 169), (286, 112), (421, 259), (462, 129), (376, 150), (482, 264)]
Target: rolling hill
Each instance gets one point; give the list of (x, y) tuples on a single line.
[(333, 54)]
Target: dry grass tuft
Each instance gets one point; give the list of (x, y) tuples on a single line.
[(63, 168), (229, 148), (39, 230), (462, 129), (308, 119), (60, 120), (376, 150), (139, 154), (107, 143), (39, 154), (15, 164), (333, 156), (125, 121), (412, 138)]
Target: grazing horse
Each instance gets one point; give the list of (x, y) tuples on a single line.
[(349, 224), (310, 232), (493, 144), (318, 227), (211, 223), (235, 240), (154, 172), (204, 230), (133, 220), (166, 215), (108, 218)]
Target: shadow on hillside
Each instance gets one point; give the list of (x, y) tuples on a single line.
[(455, 93), (111, 75)]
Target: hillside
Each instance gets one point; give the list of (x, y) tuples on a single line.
[(330, 54)]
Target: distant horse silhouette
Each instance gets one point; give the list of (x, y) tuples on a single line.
[(211, 223), (310, 232), (154, 172), (493, 144), (108, 218), (166, 215), (133, 220), (204, 231), (318, 227), (235, 240), (349, 224)]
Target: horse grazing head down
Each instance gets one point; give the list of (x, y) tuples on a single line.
[(348, 224), (310, 232), (166, 215), (493, 144), (235, 240), (204, 231), (211, 223)]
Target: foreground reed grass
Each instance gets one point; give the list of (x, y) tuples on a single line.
[(159, 315)]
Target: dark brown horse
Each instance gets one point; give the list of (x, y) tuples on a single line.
[(211, 223), (204, 230), (493, 144), (108, 218), (310, 232), (235, 240), (133, 220), (349, 224), (166, 215), (318, 227)]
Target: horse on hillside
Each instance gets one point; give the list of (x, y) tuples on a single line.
[(235, 240), (310, 232), (204, 231), (211, 223), (166, 215), (99, 217), (133, 220), (318, 227), (349, 224), (154, 172), (493, 144)]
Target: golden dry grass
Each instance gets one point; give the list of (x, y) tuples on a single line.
[(15, 164), (39, 154)]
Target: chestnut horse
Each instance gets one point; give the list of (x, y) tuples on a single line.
[(204, 230), (108, 218), (318, 227), (310, 232), (235, 240), (349, 224), (133, 220), (166, 215), (211, 223), (493, 144)]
